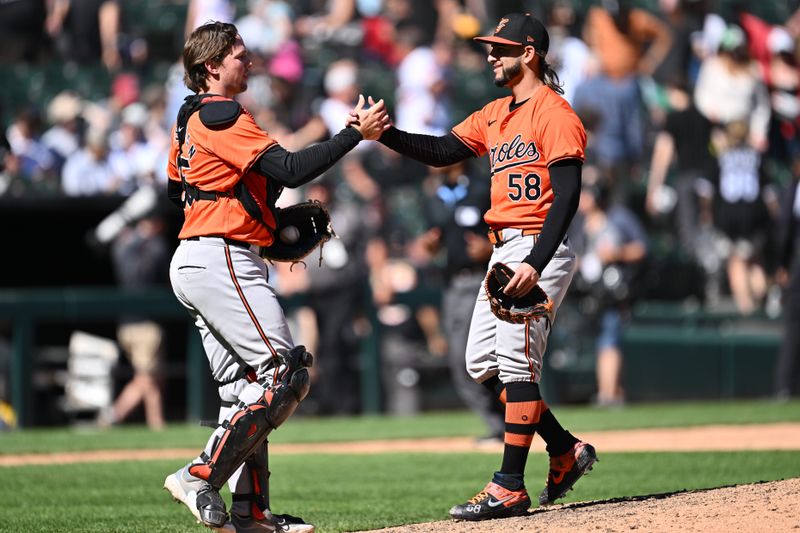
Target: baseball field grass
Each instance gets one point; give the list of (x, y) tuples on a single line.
[(351, 492)]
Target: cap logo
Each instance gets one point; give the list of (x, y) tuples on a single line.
[(531, 39), (500, 25)]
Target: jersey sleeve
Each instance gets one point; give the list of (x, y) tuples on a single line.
[(562, 134), (472, 132), (172, 165), (240, 144)]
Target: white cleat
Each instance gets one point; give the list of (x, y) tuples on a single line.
[(188, 490), (183, 491)]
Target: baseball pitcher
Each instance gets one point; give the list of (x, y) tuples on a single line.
[(535, 144)]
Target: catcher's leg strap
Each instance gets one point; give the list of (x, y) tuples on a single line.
[(247, 428)]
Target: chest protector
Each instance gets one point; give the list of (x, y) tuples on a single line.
[(256, 193)]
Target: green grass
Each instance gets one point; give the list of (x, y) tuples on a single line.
[(347, 492), (428, 425), (353, 492)]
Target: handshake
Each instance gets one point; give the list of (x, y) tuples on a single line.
[(370, 122)]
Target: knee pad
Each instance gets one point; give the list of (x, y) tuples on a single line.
[(292, 387), (247, 428)]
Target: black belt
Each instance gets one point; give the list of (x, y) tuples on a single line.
[(232, 242)]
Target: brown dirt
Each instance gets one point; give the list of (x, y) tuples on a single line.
[(702, 438), (770, 507)]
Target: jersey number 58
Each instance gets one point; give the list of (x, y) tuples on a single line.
[(528, 187)]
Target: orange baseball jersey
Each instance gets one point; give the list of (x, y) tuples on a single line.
[(521, 145), (215, 160)]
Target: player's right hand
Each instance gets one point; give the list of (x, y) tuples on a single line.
[(370, 122), (525, 278)]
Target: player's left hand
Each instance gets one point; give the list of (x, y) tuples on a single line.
[(370, 121), (524, 280)]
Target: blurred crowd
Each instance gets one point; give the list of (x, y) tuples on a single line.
[(692, 110)]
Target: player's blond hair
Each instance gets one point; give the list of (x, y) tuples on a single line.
[(210, 42)]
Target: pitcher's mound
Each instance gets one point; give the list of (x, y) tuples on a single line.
[(769, 507)]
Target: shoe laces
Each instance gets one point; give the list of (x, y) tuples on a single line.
[(478, 497)]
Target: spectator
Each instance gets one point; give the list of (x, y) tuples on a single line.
[(729, 88), (87, 31), (341, 88), (685, 141), (156, 133), (88, 171), (267, 26), (706, 42), (787, 370), (741, 215), (36, 166), (140, 256), (421, 98), (683, 18), (783, 82), (569, 55), (409, 334), (132, 160), (336, 296), (328, 24), (64, 136), (612, 248), (618, 34), (105, 114), (455, 206)]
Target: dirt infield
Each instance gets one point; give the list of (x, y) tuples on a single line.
[(771, 507), (702, 438)]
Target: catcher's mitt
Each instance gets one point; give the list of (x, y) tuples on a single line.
[(301, 228), (534, 305)]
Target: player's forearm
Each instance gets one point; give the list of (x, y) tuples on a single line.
[(293, 169), (434, 151), (565, 177)]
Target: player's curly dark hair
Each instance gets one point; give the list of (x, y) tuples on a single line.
[(210, 42)]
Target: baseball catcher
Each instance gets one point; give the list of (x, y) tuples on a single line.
[(226, 174), (301, 228), (532, 306)]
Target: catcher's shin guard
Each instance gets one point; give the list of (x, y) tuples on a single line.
[(246, 429), (257, 466)]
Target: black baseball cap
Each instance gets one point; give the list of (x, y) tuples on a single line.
[(517, 29)]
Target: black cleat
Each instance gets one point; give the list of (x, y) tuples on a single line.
[(493, 501), (565, 470)]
